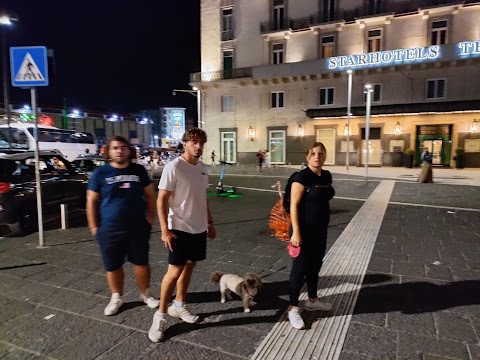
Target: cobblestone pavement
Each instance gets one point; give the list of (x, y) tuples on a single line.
[(419, 300)]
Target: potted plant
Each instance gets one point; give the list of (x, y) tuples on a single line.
[(460, 158), (409, 154)]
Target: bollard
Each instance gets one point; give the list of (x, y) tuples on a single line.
[(64, 215)]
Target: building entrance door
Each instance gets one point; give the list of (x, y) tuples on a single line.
[(435, 148), (228, 142)]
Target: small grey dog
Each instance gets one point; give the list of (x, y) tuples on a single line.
[(247, 288)]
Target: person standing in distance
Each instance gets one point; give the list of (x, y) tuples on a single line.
[(185, 222), (120, 214), (310, 214)]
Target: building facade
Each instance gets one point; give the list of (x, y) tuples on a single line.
[(275, 76), (136, 130)]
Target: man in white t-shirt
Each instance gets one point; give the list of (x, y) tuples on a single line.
[(185, 222)]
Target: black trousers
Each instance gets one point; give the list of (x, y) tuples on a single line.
[(307, 265)]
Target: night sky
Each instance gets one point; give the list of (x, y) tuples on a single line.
[(111, 56)]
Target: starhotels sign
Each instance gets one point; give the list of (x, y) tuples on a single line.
[(399, 56)]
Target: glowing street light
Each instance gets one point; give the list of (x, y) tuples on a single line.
[(198, 94), (349, 113), (367, 90)]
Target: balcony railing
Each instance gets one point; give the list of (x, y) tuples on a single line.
[(275, 25), (221, 75), (228, 35), (325, 17), (227, 3)]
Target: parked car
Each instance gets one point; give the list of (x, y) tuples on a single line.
[(88, 162), (60, 184)]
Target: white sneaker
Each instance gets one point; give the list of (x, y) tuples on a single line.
[(114, 305), (157, 329), (316, 306), (295, 319), (148, 299), (182, 313)]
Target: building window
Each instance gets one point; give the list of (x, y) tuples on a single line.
[(227, 63), (328, 46), (228, 103), (374, 40), (278, 14), (278, 53), (439, 32), (326, 96), (227, 24), (277, 99), (328, 13), (376, 95), (436, 88)]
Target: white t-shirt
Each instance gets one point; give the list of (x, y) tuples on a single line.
[(188, 201)]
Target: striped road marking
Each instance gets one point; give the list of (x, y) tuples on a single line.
[(341, 278)]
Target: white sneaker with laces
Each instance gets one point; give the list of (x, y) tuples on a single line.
[(182, 313), (295, 319), (157, 329), (114, 305), (148, 299), (316, 305)]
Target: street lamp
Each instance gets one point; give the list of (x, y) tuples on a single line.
[(349, 113), (367, 90), (198, 94), (6, 20)]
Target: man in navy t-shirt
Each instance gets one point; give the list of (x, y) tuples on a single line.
[(120, 212)]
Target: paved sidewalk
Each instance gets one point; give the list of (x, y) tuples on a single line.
[(418, 300)]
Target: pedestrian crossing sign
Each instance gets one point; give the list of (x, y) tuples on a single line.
[(29, 66)]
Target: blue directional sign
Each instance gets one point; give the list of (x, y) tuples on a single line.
[(29, 66)]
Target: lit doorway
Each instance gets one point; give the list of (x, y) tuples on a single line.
[(228, 146), (435, 148), (327, 138), (276, 146)]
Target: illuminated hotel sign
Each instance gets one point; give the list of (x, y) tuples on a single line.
[(385, 58), (469, 48)]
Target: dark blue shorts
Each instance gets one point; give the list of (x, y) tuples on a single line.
[(131, 243), (187, 246)]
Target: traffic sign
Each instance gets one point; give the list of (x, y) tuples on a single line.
[(29, 66)]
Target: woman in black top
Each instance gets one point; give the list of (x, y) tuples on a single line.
[(310, 214)]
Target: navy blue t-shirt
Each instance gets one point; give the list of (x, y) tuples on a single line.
[(122, 200), (314, 207)]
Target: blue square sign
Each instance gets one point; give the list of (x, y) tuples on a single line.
[(29, 66)]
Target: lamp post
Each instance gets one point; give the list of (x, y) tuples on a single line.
[(349, 113), (198, 94), (368, 90), (6, 20)]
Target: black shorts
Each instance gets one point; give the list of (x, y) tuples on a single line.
[(187, 247), (116, 245)]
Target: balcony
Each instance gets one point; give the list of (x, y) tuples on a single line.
[(324, 17), (228, 35), (275, 26), (227, 3), (221, 75)]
